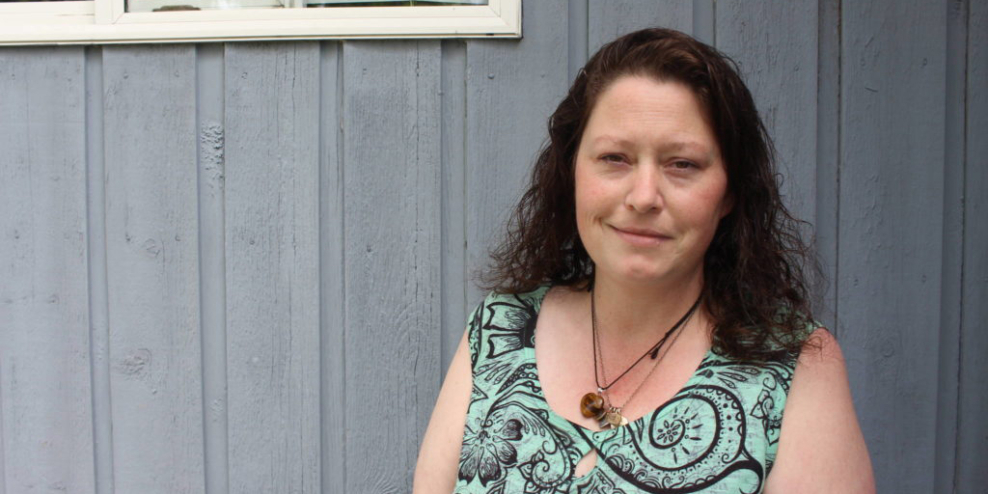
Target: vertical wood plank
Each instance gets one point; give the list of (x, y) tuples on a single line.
[(579, 36), (891, 193), (612, 18), (775, 44), (512, 88), (46, 438), (272, 229), (212, 263), (392, 178), (827, 161), (99, 305), (152, 268), (455, 277), (952, 258), (972, 428), (333, 387), (703, 21)]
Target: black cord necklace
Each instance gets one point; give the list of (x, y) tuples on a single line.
[(593, 404)]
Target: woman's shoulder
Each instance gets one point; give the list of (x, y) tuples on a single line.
[(820, 423), (503, 323)]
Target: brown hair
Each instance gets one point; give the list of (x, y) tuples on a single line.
[(754, 286)]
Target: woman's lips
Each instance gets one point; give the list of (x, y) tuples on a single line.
[(640, 237)]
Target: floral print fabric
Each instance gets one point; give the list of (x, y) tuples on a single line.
[(718, 434)]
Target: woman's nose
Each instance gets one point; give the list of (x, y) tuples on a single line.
[(643, 193)]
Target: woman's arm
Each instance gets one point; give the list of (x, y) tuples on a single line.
[(439, 457), (821, 448)]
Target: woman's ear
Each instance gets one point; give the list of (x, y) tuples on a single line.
[(727, 206)]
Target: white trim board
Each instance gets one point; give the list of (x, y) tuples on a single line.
[(104, 21)]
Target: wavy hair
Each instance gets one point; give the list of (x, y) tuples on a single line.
[(754, 284)]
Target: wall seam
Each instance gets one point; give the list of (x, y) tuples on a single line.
[(827, 158), (839, 162), (963, 249), (210, 156), (443, 205), (341, 171), (952, 240), (466, 170), (578, 36), (320, 268), (98, 286), (3, 445)]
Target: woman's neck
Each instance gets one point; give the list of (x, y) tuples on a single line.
[(634, 313)]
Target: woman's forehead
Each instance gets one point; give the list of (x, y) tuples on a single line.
[(636, 110)]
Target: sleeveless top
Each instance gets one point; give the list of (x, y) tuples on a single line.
[(718, 434)]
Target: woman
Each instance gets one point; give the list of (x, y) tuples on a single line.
[(656, 264)]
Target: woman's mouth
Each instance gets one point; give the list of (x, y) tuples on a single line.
[(640, 237)]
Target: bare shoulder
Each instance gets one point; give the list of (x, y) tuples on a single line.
[(821, 448)]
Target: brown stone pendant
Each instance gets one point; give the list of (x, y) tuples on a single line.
[(592, 406)]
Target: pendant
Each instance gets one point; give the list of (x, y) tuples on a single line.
[(592, 405), (613, 419)]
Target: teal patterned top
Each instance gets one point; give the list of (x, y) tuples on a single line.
[(718, 434)]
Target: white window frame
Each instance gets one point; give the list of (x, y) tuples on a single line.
[(105, 21)]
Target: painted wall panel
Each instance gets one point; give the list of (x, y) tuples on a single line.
[(609, 19), (332, 234), (152, 268), (272, 231), (455, 278), (391, 176), (891, 193), (828, 126), (46, 440), (972, 427), (512, 88), (775, 44)]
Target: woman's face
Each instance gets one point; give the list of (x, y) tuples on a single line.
[(650, 183)]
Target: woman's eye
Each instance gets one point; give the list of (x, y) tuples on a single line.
[(613, 158), (683, 165)]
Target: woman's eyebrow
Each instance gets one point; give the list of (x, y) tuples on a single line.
[(674, 145)]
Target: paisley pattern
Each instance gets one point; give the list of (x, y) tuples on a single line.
[(718, 434)]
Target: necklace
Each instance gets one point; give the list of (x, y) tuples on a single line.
[(597, 404)]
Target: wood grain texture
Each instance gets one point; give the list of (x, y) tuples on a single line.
[(210, 86), (46, 438), (825, 226), (703, 21), (152, 268), (610, 19), (368, 180), (775, 45), (99, 305), (272, 232), (952, 258), (455, 279), (578, 36), (972, 427), (331, 270), (892, 185), (392, 176), (512, 88)]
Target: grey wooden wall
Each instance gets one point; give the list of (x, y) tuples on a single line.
[(244, 267)]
